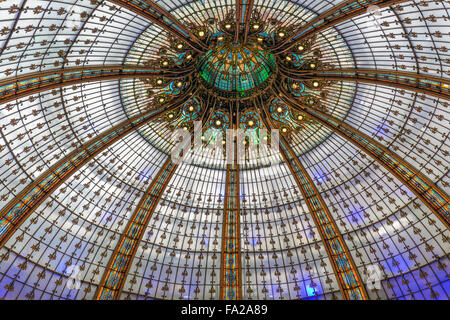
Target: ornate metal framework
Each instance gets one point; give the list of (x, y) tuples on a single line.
[(427, 191), (435, 86), (244, 10), (119, 265), (346, 10), (350, 282), (120, 262), (175, 92), (20, 208), (158, 15), (231, 271), (28, 84)]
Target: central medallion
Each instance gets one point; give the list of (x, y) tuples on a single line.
[(236, 69)]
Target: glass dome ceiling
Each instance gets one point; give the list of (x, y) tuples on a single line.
[(236, 67), (352, 205)]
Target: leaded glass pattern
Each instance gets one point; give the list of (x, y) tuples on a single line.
[(384, 224)]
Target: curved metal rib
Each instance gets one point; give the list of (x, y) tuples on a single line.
[(119, 265), (20, 208), (230, 269), (349, 279), (158, 15), (32, 83), (422, 83), (430, 194), (244, 9), (346, 10)]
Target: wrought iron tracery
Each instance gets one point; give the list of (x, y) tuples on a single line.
[(320, 85)]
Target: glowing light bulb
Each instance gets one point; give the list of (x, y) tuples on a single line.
[(256, 26), (180, 46), (316, 84), (300, 48), (191, 108), (281, 34), (159, 81), (179, 84), (260, 39), (279, 109), (165, 63), (189, 57), (218, 123), (170, 115), (250, 123), (294, 86), (288, 58), (220, 38), (161, 100), (284, 130), (201, 33), (300, 117), (312, 65), (223, 142), (228, 26)]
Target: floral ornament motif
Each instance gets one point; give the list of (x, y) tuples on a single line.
[(185, 116), (232, 70), (256, 24), (219, 122), (249, 120), (175, 73), (228, 25), (164, 94), (251, 125), (287, 120)]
